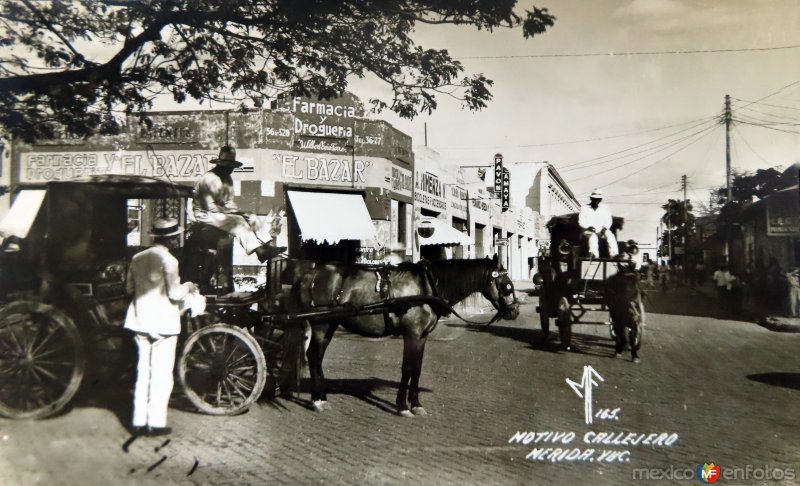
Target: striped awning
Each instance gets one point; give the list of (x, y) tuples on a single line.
[(20, 217), (329, 217), (444, 234)]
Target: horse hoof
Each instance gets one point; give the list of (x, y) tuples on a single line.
[(406, 413), (617, 355), (320, 405), (636, 360), (418, 411)]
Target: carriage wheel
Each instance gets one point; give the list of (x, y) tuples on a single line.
[(41, 360), (222, 369), (565, 323)]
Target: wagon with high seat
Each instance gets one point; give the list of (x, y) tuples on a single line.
[(574, 282)]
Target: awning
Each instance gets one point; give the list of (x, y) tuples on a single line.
[(328, 217), (20, 217), (444, 234)]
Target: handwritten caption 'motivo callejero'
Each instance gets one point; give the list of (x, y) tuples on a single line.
[(559, 445)]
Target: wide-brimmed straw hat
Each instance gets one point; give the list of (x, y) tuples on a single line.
[(166, 227), (227, 157), (596, 194)]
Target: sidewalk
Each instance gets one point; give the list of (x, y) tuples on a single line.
[(756, 312)]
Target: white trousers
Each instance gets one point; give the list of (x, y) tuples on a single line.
[(594, 243), (246, 233), (153, 380)]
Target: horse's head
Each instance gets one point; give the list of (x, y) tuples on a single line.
[(499, 290)]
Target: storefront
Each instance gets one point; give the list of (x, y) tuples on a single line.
[(324, 147)]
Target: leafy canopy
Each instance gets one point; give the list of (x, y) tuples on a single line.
[(80, 64)]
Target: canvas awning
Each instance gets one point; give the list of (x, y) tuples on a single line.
[(444, 234), (328, 217), (20, 217)]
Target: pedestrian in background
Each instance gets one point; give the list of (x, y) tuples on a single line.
[(721, 278), (663, 276), (154, 315), (793, 278)]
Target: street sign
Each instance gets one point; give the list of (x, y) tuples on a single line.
[(501, 242), (506, 190), (498, 173)]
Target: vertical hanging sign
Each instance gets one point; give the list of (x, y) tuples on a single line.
[(498, 173), (506, 190)]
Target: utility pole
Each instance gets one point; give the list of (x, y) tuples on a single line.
[(728, 119), (684, 183)]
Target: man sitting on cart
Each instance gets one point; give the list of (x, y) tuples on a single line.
[(213, 204), (595, 220)]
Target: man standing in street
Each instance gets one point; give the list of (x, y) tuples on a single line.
[(596, 221), (213, 204), (154, 315), (722, 278), (793, 278)]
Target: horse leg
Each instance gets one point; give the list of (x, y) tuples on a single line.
[(619, 338), (416, 371), (405, 378), (321, 335)]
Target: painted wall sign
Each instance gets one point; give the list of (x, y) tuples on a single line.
[(402, 181), (429, 191), (498, 173), (41, 167), (783, 215)]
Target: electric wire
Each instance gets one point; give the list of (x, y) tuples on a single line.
[(631, 53), (706, 130)]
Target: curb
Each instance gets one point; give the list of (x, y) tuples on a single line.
[(775, 324)]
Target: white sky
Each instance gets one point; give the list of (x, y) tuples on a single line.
[(548, 100)]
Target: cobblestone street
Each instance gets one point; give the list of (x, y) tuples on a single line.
[(728, 389)]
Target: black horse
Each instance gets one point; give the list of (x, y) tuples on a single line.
[(334, 286), (623, 296)]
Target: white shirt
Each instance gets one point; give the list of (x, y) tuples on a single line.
[(722, 278), (598, 218)]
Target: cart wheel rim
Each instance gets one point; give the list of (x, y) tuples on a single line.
[(222, 370), (42, 360)]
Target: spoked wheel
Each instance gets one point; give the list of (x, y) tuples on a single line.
[(222, 369), (42, 360), (638, 319), (565, 323)]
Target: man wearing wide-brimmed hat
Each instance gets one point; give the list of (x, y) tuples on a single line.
[(213, 204), (154, 315), (596, 221)]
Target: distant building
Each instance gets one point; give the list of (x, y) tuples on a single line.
[(549, 196)]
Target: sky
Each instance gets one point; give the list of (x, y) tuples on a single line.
[(663, 106)]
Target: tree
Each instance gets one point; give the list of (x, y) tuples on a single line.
[(679, 221), (748, 185), (81, 64)]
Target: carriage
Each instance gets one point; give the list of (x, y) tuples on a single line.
[(63, 301), (573, 283)]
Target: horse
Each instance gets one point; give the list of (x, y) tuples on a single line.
[(623, 296), (337, 286)]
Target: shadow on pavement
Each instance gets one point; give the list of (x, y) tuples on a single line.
[(363, 389), (785, 380)]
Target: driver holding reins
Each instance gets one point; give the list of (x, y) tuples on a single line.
[(595, 220), (213, 204)]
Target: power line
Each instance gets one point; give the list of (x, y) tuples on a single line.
[(659, 160), (748, 145), (707, 130), (631, 53), (570, 142), (769, 127), (706, 120), (767, 104), (773, 93), (653, 150), (773, 115)]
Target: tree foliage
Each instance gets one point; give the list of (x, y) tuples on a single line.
[(748, 185), (81, 64), (678, 215)]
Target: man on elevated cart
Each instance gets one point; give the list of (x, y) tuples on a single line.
[(595, 220)]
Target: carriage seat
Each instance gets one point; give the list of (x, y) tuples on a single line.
[(237, 298)]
